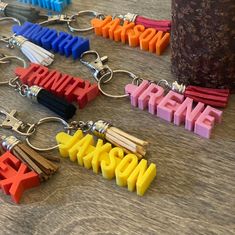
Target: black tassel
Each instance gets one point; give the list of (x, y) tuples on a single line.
[(56, 104), (22, 13)]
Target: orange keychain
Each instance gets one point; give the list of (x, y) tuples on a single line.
[(129, 29)]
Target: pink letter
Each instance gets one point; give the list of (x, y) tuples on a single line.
[(136, 91), (150, 98), (185, 114), (206, 121), (169, 105)]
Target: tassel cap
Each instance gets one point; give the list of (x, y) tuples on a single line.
[(99, 128), (32, 92), (17, 41), (9, 142)]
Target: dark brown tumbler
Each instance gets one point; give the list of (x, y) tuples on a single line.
[(203, 42)]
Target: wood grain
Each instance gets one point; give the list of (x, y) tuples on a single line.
[(194, 189)]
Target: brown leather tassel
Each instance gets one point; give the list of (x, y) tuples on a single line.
[(119, 138), (42, 166)]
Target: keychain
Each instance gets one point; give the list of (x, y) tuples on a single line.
[(38, 94), (21, 168), (113, 162), (34, 53), (72, 89), (154, 39), (60, 42), (175, 106)]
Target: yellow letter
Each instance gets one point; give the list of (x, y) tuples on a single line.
[(141, 177), (124, 169), (66, 141), (108, 168), (97, 154), (81, 148)]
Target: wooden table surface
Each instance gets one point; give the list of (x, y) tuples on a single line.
[(194, 190)]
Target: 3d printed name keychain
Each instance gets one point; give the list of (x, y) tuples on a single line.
[(22, 168), (148, 36), (177, 105), (56, 104), (130, 170), (33, 52), (59, 42)]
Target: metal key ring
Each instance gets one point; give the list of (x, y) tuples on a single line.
[(47, 120), (80, 13), (5, 39), (130, 74), (7, 59)]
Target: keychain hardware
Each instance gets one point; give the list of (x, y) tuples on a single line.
[(53, 19), (28, 129), (81, 13), (11, 122), (99, 70), (42, 121)]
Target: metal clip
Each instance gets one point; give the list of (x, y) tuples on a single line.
[(51, 19), (10, 122), (97, 66)]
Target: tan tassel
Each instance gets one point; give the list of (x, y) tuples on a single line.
[(39, 164), (119, 138)]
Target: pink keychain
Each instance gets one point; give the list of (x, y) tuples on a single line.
[(173, 103)]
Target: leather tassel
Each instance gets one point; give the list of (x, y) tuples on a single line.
[(34, 53), (56, 104), (22, 13), (159, 25), (119, 138), (37, 163), (209, 96)]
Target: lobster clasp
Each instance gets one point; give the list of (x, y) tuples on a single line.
[(11, 122), (97, 66), (52, 19)]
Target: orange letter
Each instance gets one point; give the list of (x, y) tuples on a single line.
[(121, 32), (134, 35), (108, 29), (146, 37), (99, 24), (159, 42)]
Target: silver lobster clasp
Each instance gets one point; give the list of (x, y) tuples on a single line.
[(11, 122), (52, 19), (99, 69)]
